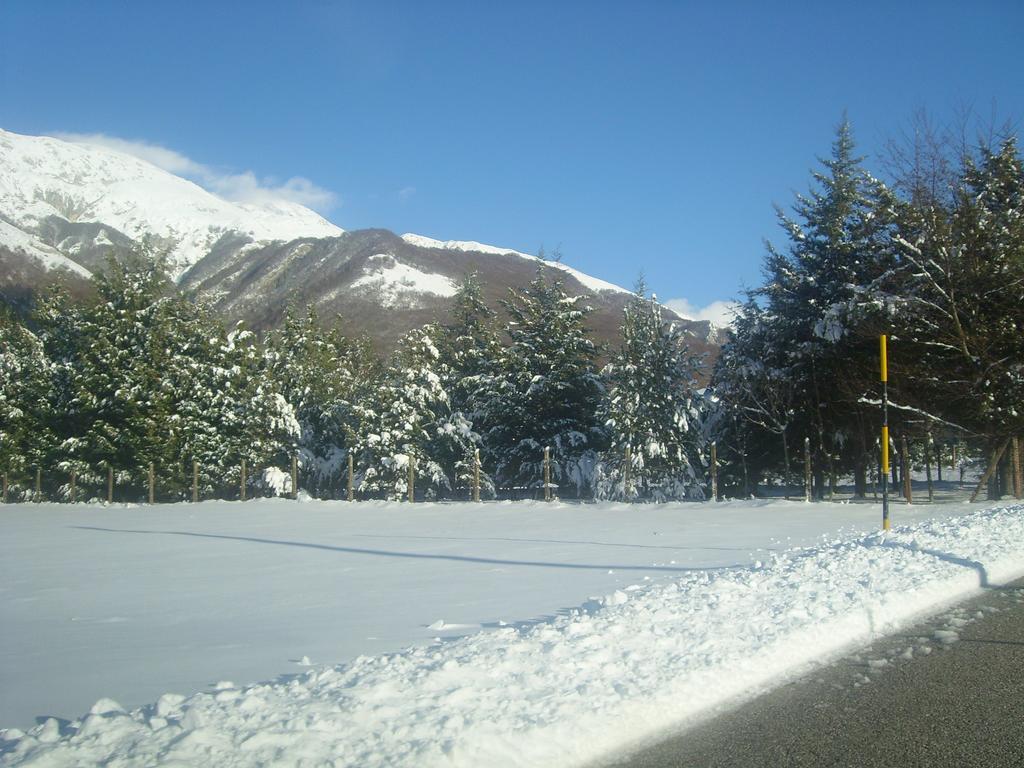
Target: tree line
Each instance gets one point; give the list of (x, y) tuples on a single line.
[(935, 260), (140, 374)]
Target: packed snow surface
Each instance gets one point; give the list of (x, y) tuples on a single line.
[(42, 176), (510, 663)]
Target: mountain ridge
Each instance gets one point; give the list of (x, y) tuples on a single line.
[(65, 207)]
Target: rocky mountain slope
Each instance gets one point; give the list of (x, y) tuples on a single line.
[(65, 207)]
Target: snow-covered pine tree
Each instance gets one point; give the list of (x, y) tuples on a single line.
[(754, 399), (26, 379), (818, 296), (141, 374), (649, 409), (321, 374), (961, 309), (547, 393), (411, 419), (470, 349), (110, 356), (227, 409)]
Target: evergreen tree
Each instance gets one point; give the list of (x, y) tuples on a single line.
[(962, 306), (648, 411), (470, 348), (321, 374), (141, 375), (411, 419), (547, 393), (25, 391), (818, 300)]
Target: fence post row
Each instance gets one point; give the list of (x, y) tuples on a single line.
[(295, 477), (195, 481), (152, 483), (351, 479)]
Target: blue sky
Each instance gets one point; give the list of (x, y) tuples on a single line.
[(634, 136)]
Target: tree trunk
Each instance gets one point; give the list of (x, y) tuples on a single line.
[(785, 458), (860, 479), (819, 481)]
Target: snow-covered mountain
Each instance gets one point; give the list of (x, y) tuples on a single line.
[(64, 207), (48, 185)]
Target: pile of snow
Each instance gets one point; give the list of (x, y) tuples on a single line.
[(42, 176), (568, 690), (592, 283)]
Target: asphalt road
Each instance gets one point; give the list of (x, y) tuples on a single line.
[(948, 692)]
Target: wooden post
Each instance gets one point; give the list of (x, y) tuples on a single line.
[(412, 480), (832, 477), (908, 489), (928, 468), (807, 469), (110, 483), (295, 477), (938, 459), (152, 483), (714, 471), (476, 474), (628, 467), (351, 479), (993, 463), (241, 482), (956, 462), (5, 488), (195, 481), (1018, 476), (39, 485), (547, 474), (883, 357), (73, 487)]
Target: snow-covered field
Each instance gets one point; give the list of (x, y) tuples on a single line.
[(533, 634)]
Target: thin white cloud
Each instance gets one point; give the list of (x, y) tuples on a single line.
[(406, 192), (720, 312), (244, 187)]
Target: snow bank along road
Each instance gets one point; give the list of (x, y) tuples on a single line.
[(753, 595), (945, 692)]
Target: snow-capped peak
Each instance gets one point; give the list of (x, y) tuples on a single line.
[(80, 182)]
